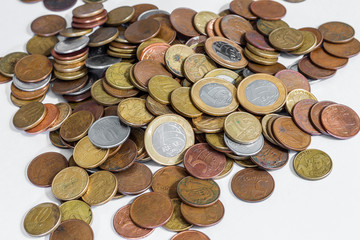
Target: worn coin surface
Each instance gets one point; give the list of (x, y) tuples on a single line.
[(337, 32), (8, 63), (209, 124), (268, 10), (48, 25), (118, 76), (102, 36), (197, 66), (76, 209), (312, 71), (142, 30), (295, 96), (201, 19), (175, 57), (293, 80), (309, 44), (216, 141), (301, 116), (343, 50), (190, 235), (242, 8), (76, 125), (88, 10), (29, 115), (182, 20), (177, 222), (271, 157), (200, 216), (120, 15), (286, 39), (71, 45), (133, 112), (144, 70), (75, 32), (33, 68), (234, 28), (101, 96), (258, 40), (315, 115), (157, 108), (267, 26), (87, 155), (225, 74), (73, 229), (92, 106), (325, 60), (160, 88), (56, 5), (41, 45)]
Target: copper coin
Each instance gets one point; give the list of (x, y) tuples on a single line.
[(201, 216), (166, 180), (270, 69), (76, 126), (77, 98), (242, 8), (103, 36), (120, 15), (146, 69), (344, 50), (252, 184), (258, 40), (48, 25), (4, 79), (340, 121), (190, 235), (89, 25), (142, 30), (182, 20), (118, 92), (88, 10), (269, 129), (23, 95), (234, 28), (59, 5), (43, 168), (73, 229), (96, 109), (140, 8), (271, 157), (125, 227), (65, 87), (92, 19), (317, 33), (268, 10), (203, 162), (301, 116), (322, 59), (293, 80), (123, 45), (155, 51), (210, 28), (123, 159), (134, 180), (33, 68), (52, 113), (70, 56), (110, 111), (315, 115), (197, 44), (290, 135), (312, 71), (217, 28), (151, 210), (70, 145), (166, 33), (337, 32)]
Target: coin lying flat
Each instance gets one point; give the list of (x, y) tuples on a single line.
[(8, 63), (73, 229), (120, 15), (29, 115), (234, 28), (309, 44), (76, 125), (315, 115), (76, 209), (133, 112), (48, 25), (322, 59), (182, 20), (142, 30), (209, 124), (344, 50), (190, 235), (295, 96), (286, 39), (301, 116), (87, 10), (312, 71), (175, 57), (337, 32), (101, 96), (160, 88), (269, 10), (271, 157), (87, 155), (293, 80), (199, 216), (244, 149), (177, 222)]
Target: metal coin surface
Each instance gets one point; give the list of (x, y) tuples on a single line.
[(71, 75), (73, 229), (317, 33), (242, 8), (152, 12), (155, 51), (71, 45), (146, 69), (181, 102), (66, 87), (76, 209), (268, 10), (75, 32), (76, 125), (175, 57), (87, 155), (201, 19), (120, 15), (102, 188), (246, 163), (89, 25), (197, 66), (182, 20), (145, 44), (166, 180), (101, 62), (258, 40), (103, 36), (344, 50), (308, 45), (31, 86), (295, 96), (29, 115), (267, 26), (133, 112), (200, 216), (160, 88), (118, 76), (48, 25), (262, 53), (92, 19), (157, 108), (315, 115), (142, 30), (268, 69), (293, 80), (286, 39), (88, 10), (55, 139), (41, 45), (18, 102), (209, 124), (190, 235), (325, 60), (151, 210), (234, 28), (141, 8), (70, 58), (337, 32), (57, 6), (225, 74), (245, 149), (26, 95), (8, 63), (252, 184), (271, 157), (101, 96), (177, 222), (33, 68), (301, 116), (229, 166), (216, 141)]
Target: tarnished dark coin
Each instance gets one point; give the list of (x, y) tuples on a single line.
[(142, 30), (337, 32), (312, 71), (234, 28), (74, 32), (271, 157), (325, 60), (242, 8), (190, 235), (33, 68), (73, 229), (55, 139), (122, 159), (48, 25), (182, 20), (166, 180), (52, 113), (258, 40), (293, 80), (344, 50), (103, 36), (141, 8), (59, 5), (301, 116), (200, 216), (315, 115), (268, 10), (76, 126), (65, 87)]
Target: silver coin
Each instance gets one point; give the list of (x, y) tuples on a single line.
[(71, 45), (246, 72), (295, 67), (215, 95), (101, 61), (262, 93), (108, 132), (91, 79), (29, 87), (148, 13), (169, 139), (226, 51), (245, 149)]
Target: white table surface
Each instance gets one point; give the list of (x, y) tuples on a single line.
[(298, 209)]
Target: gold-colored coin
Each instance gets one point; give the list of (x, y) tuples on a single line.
[(42, 219), (69, 62), (267, 26), (258, 59), (245, 162), (76, 209), (75, 32), (308, 45), (209, 124), (177, 222), (118, 76), (133, 112), (122, 50), (214, 96), (120, 55), (262, 53), (296, 96), (69, 68), (201, 20), (19, 102), (167, 138), (87, 155), (118, 196), (197, 66), (7, 63), (29, 115), (70, 183), (102, 188), (160, 88), (216, 141), (71, 75), (99, 95), (76, 126), (143, 45), (41, 45), (264, 122), (181, 102), (157, 108), (65, 112), (242, 127), (312, 164), (228, 167), (286, 39), (175, 57), (225, 74), (252, 97)]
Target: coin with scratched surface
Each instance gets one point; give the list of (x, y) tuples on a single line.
[(268, 10), (242, 8), (271, 157), (182, 20), (101, 96), (312, 71), (190, 235), (177, 222), (267, 26), (87, 155), (293, 80), (181, 102), (309, 44), (157, 108), (118, 76), (76, 125), (41, 45), (166, 180), (234, 28), (142, 30), (197, 66), (33, 68), (201, 19), (325, 60), (200, 216), (286, 39), (29, 115), (76, 209), (92, 106), (244, 149), (258, 40), (73, 229), (160, 88), (8, 63)]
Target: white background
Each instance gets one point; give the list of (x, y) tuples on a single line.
[(298, 209)]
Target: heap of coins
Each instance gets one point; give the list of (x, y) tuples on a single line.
[(195, 96)]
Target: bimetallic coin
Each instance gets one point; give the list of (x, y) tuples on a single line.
[(101, 62), (76, 209), (166, 180), (71, 45), (296, 96), (87, 155), (175, 57), (73, 229), (177, 223), (245, 149), (271, 157), (200, 216), (29, 115)]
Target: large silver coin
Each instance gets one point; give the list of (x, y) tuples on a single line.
[(245, 149), (169, 139), (71, 45), (108, 132), (151, 12), (29, 87), (101, 61), (262, 93), (91, 79), (215, 95)]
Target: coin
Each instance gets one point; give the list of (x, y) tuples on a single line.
[(175, 57), (216, 141), (228, 168), (117, 76), (166, 180), (201, 19), (182, 20), (29, 115), (103, 36), (269, 10), (286, 39), (101, 96), (69, 68), (101, 61), (92, 19), (142, 30), (146, 69), (315, 115), (76, 125), (244, 149), (18, 102), (242, 8), (92, 106), (177, 222), (324, 60), (308, 45), (197, 66), (160, 88), (262, 53), (87, 155), (312, 71), (246, 163), (152, 12), (56, 6), (70, 58), (41, 45), (7, 63), (120, 15), (252, 185), (74, 32), (155, 51), (258, 59), (76, 209), (28, 95), (73, 228), (267, 26), (190, 235), (268, 69), (271, 157), (48, 25), (301, 116), (157, 108), (71, 45), (66, 87), (295, 96), (71, 75), (293, 80), (133, 112), (209, 124), (234, 28), (141, 8), (55, 139), (122, 159), (89, 25), (87, 10), (337, 32), (344, 50), (42, 219), (33, 68), (225, 74), (200, 216)]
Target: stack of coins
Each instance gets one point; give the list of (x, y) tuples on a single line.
[(89, 16)]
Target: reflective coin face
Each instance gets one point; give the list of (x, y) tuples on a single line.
[(262, 93)]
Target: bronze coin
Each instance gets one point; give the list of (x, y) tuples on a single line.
[(54, 137), (41, 45), (88, 10), (155, 51), (322, 59), (48, 25), (70, 145), (293, 80), (270, 69), (242, 8), (120, 15), (23, 95), (197, 44), (190, 235), (290, 135), (125, 227), (217, 28), (20, 103), (52, 113), (337, 32), (315, 115), (73, 229), (269, 129), (76, 126), (301, 116), (271, 157), (4, 79), (210, 28), (140, 8), (92, 106), (77, 98), (123, 159), (59, 5), (200, 216), (234, 28), (344, 50), (340, 121), (146, 69), (103, 36), (203, 162), (268, 10), (33, 68), (166, 33), (252, 184), (258, 40), (142, 30), (69, 68), (89, 25), (123, 45), (312, 71), (182, 20), (166, 180), (70, 56), (118, 92), (92, 19), (317, 33), (30, 115), (151, 210), (110, 111), (134, 180)]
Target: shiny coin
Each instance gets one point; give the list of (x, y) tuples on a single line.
[(101, 62), (102, 188), (87, 10), (76, 126), (145, 44), (181, 102), (267, 26), (209, 124), (142, 30), (295, 96), (87, 155), (258, 59), (245, 149), (197, 66), (242, 8), (175, 57), (312, 71), (166, 180), (75, 229), (262, 53), (70, 58), (160, 88), (41, 45), (71, 75), (133, 112), (118, 76), (89, 25), (286, 39), (308, 45), (75, 32), (29, 116), (120, 15), (271, 157), (69, 68), (31, 86), (293, 80), (344, 50), (182, 20), (157, 108), (92, 106), (337, 32), (199, 216), (324, 60), (201, 19), (33, 68), (197, 43), (71, 45), (269, 10), (190, 235), (317, 33), (301, 116), (101, 96), (8, 63), (315, 115), (48, 25), (177, 222), (76, 209)]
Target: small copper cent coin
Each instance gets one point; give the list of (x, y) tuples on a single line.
[(268, 10), (142, 30), (200, 216), (301, 116), (190, 235), (103, 36), (182, 20), (57, 6), (312, 71), (293, 80), (343, 50), (242, 8), (73, 229), (234, 28), (33, 68), (315, 115), (48, 25), (337, 32), (325, 60), (271, 157)]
